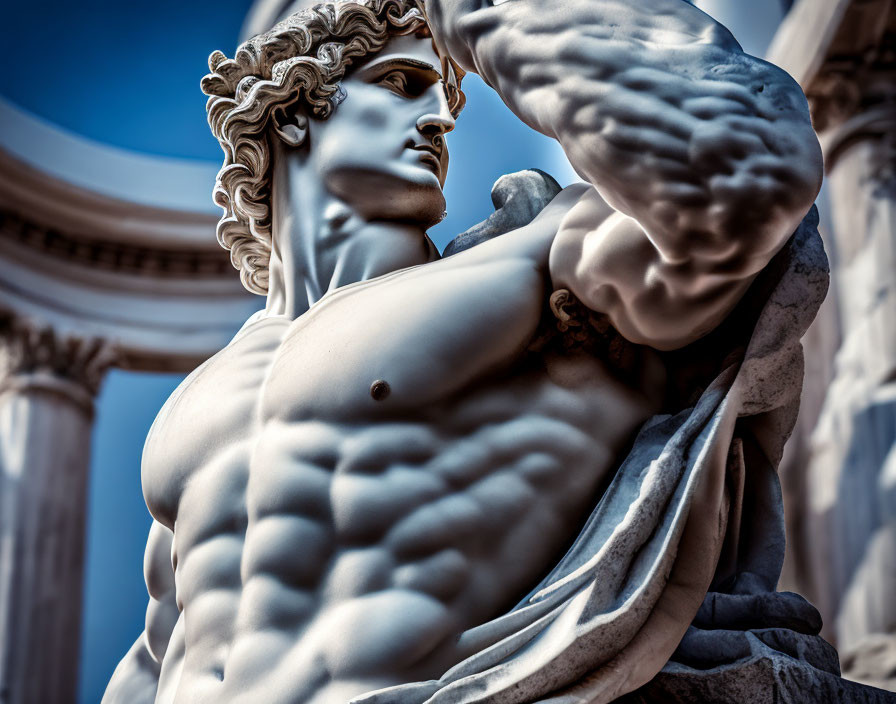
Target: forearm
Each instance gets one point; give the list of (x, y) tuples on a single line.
[(657, 107)]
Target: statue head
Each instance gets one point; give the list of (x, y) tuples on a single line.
[(279, 82)]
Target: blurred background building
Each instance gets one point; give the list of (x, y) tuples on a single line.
[(839, 477), (112, 288)]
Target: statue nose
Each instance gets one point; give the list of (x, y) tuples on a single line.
[(434, 127), (438, 120)]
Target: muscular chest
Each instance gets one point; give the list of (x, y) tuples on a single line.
[(403, 343), (384, 349)]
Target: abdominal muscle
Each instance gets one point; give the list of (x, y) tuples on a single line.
[(319, 561)]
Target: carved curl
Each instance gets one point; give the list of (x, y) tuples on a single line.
[(274, 80)]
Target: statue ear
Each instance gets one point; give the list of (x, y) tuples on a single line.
[(293, 131)]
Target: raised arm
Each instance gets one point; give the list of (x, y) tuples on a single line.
[(703, 158), (136, 678)]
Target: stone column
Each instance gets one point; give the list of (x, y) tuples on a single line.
[(47, 388), (852, 470), (840, 477)]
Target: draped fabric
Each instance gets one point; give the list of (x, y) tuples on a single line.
[(670, 586)]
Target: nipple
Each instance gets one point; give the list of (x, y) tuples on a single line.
[(379, 390)]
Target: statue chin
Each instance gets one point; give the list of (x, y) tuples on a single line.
[(425, 208), (405, 195)]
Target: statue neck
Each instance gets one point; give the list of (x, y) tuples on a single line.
[(321, 243)]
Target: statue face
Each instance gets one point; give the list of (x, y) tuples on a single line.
[(383, 150)]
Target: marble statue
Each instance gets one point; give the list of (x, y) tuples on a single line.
[(539, 468)]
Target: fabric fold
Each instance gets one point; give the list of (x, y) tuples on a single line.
[(685, 545)]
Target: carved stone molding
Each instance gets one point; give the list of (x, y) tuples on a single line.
[(36, 356), (843, 54), (861, 78), (877, 123), (166, 310), (149, 277), (104, 254)]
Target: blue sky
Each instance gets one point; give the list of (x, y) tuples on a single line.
[(127, 74)]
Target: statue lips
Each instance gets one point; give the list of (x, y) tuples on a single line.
[(430, 154)]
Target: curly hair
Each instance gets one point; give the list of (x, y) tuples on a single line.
[(295, 66)]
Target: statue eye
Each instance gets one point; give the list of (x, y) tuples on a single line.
[(408, 84), (396, 81)]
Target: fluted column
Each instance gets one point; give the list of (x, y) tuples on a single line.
[(840, 477), (852, 470), (47, 388)]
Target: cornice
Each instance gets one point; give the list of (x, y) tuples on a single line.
[(110, 255), (46, 200), (843, 54), (150, 279), (166, 184), (164, 310)]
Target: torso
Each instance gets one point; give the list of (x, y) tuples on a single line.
[(328, 543)]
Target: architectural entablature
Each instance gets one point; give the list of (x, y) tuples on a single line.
[(99, 242)]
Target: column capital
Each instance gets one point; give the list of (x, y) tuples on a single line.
[(851, 85), (877, 123), (35, 356), (48, 381), (842, 53)]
